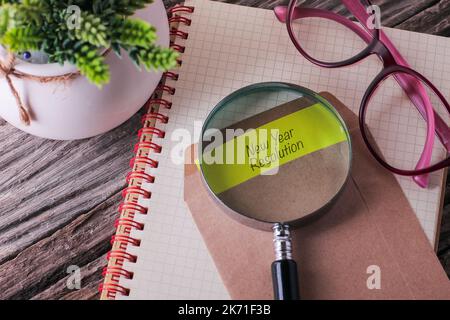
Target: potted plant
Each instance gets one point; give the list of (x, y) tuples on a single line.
[(73, 69)]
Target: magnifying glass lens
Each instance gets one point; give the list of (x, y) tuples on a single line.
[(274, 153)]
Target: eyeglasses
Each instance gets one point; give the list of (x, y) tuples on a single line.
[(415, 98)]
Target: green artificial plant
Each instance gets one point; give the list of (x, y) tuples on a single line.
[(79, 31)]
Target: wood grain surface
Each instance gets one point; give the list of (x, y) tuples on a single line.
[(59, 199)]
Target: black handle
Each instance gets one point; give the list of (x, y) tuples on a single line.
[(285, 280)]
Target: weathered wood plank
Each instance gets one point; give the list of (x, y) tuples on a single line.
[(91, 277), (46, 184), (41, 265), (444, 237), (395, 12), (433, 20)]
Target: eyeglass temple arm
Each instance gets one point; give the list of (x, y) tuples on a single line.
[(410, 85), (413, 88)]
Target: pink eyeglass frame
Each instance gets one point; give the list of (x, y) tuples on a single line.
[(393, 62)]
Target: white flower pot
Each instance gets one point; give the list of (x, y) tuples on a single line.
[(77, 109)]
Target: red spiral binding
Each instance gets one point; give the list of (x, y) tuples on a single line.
[(170, 75), (140, 175), (166, 88), (149, 145), (130, 207), (153, 131), (155, 115), (178, 33), (181, 8), (178, 48), (136, 190), (117, 271), (121, 255), (134, 207), (180, 19), (144, 160), (129, 223), (161, 102), (126, 239), (112, 289)]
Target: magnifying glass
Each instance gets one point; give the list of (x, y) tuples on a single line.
[(275, 156)]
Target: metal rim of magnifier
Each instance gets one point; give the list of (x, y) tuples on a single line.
[(242, 217)]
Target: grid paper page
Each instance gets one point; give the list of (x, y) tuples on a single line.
[(230, 47)]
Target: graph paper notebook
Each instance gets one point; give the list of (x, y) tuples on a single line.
[(223, 52)]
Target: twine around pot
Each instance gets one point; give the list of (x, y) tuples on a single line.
[(7, 70)]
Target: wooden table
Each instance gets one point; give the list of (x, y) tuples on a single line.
[(58, 199)]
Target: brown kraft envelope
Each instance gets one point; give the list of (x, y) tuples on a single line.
[(371, 225)]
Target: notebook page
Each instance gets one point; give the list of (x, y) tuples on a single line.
[(225, 52)]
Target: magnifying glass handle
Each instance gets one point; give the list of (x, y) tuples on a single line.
[(284, 268), (285, 280)]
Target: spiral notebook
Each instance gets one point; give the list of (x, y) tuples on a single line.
[(158, 252)]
